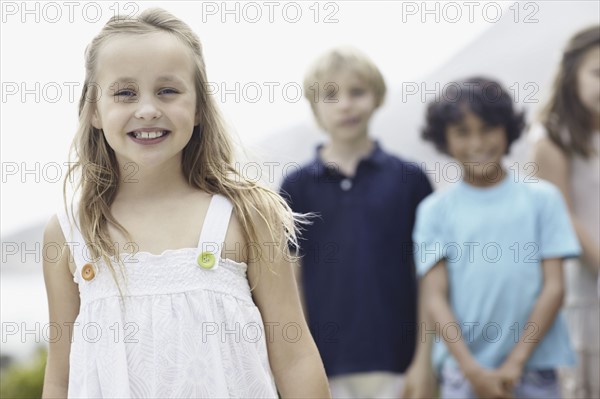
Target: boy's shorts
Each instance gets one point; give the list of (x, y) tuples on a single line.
[(534, 384)]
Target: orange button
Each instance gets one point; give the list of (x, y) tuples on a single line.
[(87, 272)]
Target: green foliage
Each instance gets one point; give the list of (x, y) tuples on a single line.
[(24, 380)]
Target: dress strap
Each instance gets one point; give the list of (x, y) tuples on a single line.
[(214, 229), (73, 237)]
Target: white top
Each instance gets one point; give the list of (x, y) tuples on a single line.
[(182, 330), (581, 299)]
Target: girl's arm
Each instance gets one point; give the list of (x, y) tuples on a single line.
[(486, 383), (553, 165), (542, 316), (297, 265), (63, 304), (295, 361)]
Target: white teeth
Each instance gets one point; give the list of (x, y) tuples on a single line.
[(149, 135)]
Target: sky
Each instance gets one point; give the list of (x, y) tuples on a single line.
[(256, 55)]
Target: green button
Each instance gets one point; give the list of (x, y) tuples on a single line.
[(206, 260)]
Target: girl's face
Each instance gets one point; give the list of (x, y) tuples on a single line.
[(479, 147), (588, 81), (344, 108), (147, 103)]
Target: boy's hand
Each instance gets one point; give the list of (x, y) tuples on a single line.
[(419, 382), (488, 384), (511, 372)]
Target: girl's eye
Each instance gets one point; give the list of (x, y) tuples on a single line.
[(169, 91), (125, 93)]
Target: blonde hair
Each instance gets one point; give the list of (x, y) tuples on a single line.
[(339, 59), (207, 159)]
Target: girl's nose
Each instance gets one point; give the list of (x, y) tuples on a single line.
[(147, 110)]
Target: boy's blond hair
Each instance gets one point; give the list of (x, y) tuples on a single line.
[(338, 59)]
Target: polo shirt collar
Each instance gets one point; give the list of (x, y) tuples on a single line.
[(377, 157)]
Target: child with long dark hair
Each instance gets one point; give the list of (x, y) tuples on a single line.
[(566, 152)]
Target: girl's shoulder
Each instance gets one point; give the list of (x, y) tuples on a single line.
[(55, 236), (544, 151), (53, 232)]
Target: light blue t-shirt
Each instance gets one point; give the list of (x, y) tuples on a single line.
[(493, 240)]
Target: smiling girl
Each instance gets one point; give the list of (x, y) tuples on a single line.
[(152, 296)]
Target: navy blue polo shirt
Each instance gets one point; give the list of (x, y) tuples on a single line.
[(358, 273)]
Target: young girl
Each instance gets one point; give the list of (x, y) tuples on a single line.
[(152, 296), (566, 148), (490, 253)]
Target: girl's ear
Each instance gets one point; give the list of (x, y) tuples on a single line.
[(96, 120), (198, 118)]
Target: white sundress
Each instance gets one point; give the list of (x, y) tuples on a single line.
[(187, 327)]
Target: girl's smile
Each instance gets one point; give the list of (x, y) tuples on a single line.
[(147, 110), (150, 135)]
